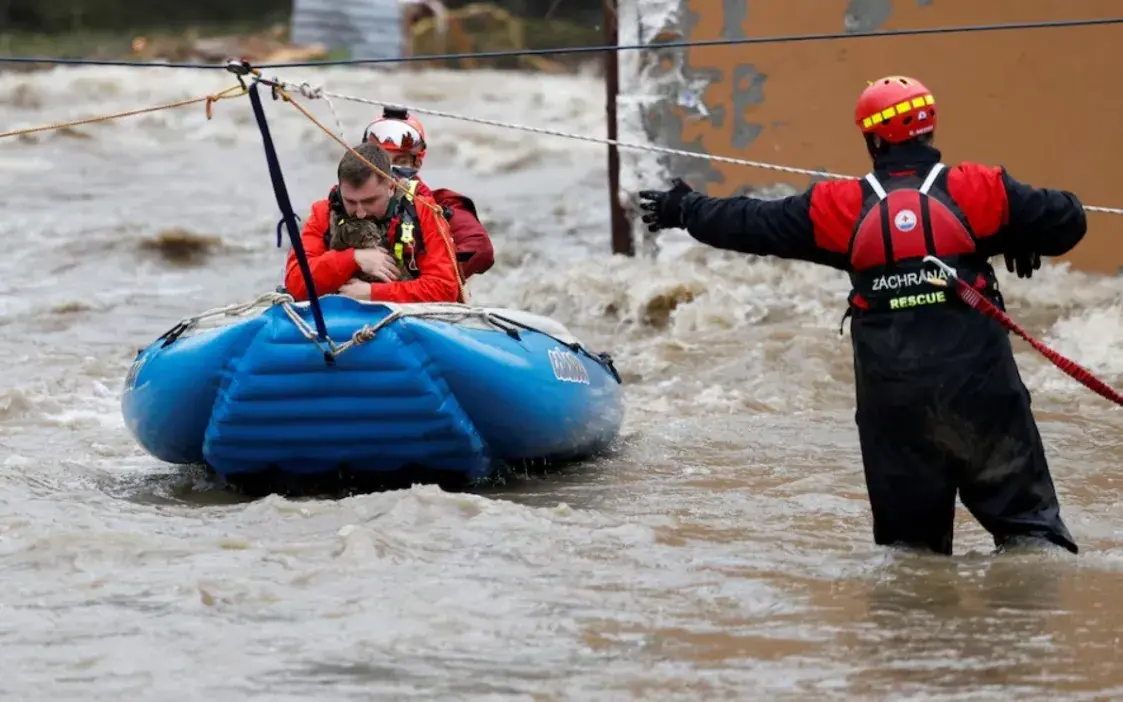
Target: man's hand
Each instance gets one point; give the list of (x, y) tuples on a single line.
[(356, 289), (377, 263), (1024, 263), (664, 208)]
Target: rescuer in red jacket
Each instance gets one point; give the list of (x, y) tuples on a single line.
[(415, 264), (403, 137), (940, 404)]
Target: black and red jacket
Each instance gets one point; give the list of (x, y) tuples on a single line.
[(997, 213)]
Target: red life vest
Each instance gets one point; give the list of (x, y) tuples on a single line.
[(403, 238), (901, 222)]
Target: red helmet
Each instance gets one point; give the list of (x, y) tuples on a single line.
[(398, 132), (895, 108)]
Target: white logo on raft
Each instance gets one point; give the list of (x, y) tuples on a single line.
[(904, 280), (567, 367)]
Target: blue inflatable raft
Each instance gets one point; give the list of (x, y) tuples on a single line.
[(448, 389)]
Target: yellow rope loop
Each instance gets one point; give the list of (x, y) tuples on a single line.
[(446, 236), (209, 99), (212, 99)]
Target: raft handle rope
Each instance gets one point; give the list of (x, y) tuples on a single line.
[(449, 310), (234, 310), (976, 300), (462, 311), (603, 358), (313, 92), (286, 302)]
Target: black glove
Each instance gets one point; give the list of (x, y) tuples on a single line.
[(664, 207), (1023, 262)]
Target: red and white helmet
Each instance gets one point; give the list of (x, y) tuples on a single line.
[(896, 108), (398, 132)]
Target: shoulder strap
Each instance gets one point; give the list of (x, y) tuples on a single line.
[(875, 184), (879, 189), (407, 224), (931, 179)]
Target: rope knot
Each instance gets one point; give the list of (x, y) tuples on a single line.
[(364, 335), (312, 92)]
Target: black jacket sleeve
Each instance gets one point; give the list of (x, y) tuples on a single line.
[(781, 228), (1047, 221)]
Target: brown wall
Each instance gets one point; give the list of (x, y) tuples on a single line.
[(1031, 100)]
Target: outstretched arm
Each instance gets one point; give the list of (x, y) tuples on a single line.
[(789, 227), (1012, 218), (1046, 220), (781, 228)]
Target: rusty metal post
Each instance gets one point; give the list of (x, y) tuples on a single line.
[(621, 229)]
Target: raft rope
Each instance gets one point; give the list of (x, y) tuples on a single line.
[(287, 303), (447, 311), (976, 300), (313, 92)]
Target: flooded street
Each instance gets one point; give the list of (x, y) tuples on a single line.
[(723, 551)]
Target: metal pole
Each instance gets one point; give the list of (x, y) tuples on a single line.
[(621, 229)]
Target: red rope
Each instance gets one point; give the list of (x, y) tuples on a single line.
[(975, 299)]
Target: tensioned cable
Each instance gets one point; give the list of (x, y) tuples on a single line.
[(657, 46)]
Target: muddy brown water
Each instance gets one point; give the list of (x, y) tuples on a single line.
[(723, 551)]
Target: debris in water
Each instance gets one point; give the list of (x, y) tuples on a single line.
[(72, 133), (657, 311), (72, 307), (181, 246)]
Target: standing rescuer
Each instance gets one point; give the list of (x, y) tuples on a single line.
[(941, 407)]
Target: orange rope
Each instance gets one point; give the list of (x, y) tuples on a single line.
[(446, 236), (209, 99)]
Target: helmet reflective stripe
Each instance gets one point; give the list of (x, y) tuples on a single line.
[(395, 135)]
